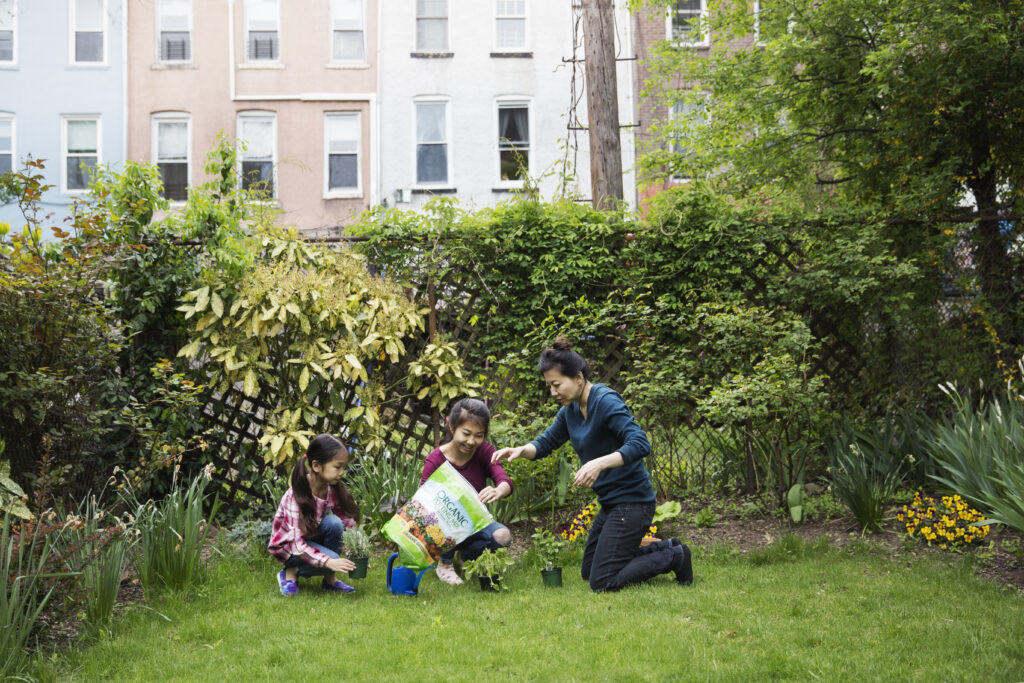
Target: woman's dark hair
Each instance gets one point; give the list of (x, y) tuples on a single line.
[(467, 410), (323, 448), (561, 356)]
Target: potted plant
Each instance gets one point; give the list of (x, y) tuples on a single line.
[(549, 546), (489, 568), (357, 547)]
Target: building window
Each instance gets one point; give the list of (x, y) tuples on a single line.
[(174, 28), (88, 23), (8, 30), (341, 137), (172, 137), (263, 23), (432, 25), (685, 22), (513, 141), (510, 25), (347, 35), (686, 116), (258, 133), (6, 143), (431, 143), (81, 151)]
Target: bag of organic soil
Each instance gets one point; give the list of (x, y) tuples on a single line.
[(444, 512)]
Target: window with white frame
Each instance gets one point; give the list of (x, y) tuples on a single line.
[(687, 115), (510, 25), (685, 22), (432, 143), (432, 25), (6, 143), (172, 138), (88, 31), (81, 151), (348, 43), (174, 30), (341, 148), (263, 30), (258, 133), (513, 141), (8, 31)]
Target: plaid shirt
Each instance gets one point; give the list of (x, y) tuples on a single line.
[(286, 537)]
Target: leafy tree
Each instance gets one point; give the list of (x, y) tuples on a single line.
[(914, 107)]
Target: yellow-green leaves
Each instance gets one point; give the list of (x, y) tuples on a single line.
[(303, 328)]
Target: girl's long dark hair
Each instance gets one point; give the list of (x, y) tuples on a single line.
[(465, 410), (323, 448), (562, 356)]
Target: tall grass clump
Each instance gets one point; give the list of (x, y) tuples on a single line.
[(980, 453), (22, 566), (171, 533), (865, 467)]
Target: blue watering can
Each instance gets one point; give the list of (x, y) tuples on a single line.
[(402, 580)]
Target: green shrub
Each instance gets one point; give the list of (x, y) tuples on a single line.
[(980, 454), (23, 558), (864, 487), (171, 537)]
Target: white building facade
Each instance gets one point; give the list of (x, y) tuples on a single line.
[(476, 95)]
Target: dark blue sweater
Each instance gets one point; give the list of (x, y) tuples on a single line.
[(608, 427)]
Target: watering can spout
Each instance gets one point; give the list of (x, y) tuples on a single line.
[(402, 580)]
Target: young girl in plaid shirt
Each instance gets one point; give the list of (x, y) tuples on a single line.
[(312, 515)]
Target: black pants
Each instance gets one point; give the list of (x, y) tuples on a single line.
[(613, 557)]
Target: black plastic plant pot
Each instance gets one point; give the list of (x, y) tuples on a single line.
[(490, 583), (552, 577), (360, 571)]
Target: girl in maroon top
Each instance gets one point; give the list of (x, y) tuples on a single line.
[(464, 447)]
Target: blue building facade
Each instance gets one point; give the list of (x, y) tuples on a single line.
[(62, 95)]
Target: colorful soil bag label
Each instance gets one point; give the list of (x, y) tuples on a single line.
[(444, 512)]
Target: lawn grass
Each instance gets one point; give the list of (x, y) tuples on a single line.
[(794, 611)]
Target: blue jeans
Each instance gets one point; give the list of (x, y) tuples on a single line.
[(474, 546), (327, 540), (613, 559)]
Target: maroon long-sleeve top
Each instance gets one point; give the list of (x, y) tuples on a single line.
[(476, 470)]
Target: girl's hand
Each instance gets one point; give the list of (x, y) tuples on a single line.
[(340, 564), (488, 494)]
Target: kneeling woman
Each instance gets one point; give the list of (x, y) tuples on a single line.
[(465, 448), (611, 447)]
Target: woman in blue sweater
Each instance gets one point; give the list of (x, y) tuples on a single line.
[(611, 447)]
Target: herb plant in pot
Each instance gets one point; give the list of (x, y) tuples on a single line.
[(489, 568), (548, 547), (357, 547)]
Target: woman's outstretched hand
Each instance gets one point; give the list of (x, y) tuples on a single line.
[(587, 474), (511, 454)]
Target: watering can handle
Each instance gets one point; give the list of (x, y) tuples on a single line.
[(391, 562)]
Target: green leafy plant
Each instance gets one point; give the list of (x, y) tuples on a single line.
[(980, 454), (670, 509), (23, 558), (705, 518), (795, 500), (171, 537), (548, 547), (12, 498), (492, 564), (863, 488), (356, 542)]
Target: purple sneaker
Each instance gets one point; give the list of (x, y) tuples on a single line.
[(288, 587), (337, 586)]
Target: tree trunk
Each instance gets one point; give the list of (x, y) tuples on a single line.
[(602, 103)]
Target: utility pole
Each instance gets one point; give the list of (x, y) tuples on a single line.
[(602, 103)]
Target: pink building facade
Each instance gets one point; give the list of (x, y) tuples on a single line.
[(294, 79)]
